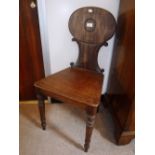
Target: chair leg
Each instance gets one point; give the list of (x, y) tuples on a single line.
[(41, 105), (98, 109), (91, 114)]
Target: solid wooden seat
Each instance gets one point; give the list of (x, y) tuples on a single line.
[(81, 84), (73, 85)]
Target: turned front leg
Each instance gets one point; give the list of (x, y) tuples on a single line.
[(90, 120), (41, 105)]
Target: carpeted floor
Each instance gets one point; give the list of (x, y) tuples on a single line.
[(65, 132)]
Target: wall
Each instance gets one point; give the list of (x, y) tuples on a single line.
[(61, 50)]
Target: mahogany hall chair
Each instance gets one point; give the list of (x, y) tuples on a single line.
[(81, 83)]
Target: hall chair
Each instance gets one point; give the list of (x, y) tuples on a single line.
[(81, 83)]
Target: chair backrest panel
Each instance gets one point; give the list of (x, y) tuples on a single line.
[(91, 27)]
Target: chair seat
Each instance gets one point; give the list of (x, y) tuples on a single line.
[(74, 85)]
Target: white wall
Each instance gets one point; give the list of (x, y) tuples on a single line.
[(61, 50)]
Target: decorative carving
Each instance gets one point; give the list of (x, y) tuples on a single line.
[(90, 120), (89, 43), (72, 64), (90, 25), (103, 21), (89, 128), (91, 28), (88, 55)]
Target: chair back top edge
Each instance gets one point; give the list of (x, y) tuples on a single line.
[(92, 25)]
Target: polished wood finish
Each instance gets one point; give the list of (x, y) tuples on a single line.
[(73, 85), (30, 53), (81, 84), (41, 106), (103, 29), (90, 116), (121, 87), (91, 28)]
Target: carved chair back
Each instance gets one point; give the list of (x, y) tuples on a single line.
[(91, 28)]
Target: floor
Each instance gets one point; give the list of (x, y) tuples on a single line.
[(65, 132)]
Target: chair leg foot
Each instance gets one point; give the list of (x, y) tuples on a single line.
[(43, 126), (91, 114), (85, 149), (41, 105)]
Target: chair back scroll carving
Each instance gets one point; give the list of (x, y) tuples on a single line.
[(91, 28)]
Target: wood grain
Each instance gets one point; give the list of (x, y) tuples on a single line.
[(91, 39), (104, 29), (73, 85), (81, 84), (30, 52), (121, 86)]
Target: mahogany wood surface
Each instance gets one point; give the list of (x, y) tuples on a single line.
[(30, 52), (91, 28), (90, 116), (81, 84), (104, 25), (121, 86), (75, 85), (41, 106)]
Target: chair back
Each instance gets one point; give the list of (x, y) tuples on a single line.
[(91, 28)]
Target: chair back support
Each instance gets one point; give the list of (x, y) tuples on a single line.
[(91, 28)]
